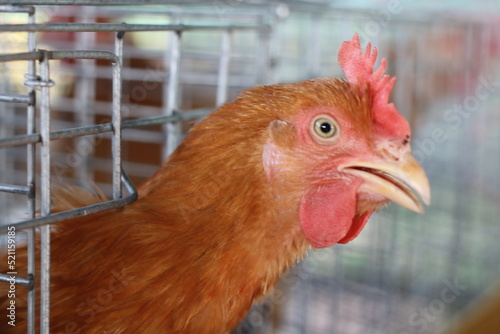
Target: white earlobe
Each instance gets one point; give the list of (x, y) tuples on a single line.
[(271, 159)]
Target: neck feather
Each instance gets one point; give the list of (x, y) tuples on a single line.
[(214, 192)]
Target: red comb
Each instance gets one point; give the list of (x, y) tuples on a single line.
[(358, 68)]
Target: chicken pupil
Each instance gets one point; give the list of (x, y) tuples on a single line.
[(325, 127)]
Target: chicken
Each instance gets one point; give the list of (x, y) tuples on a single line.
[(257, 183)]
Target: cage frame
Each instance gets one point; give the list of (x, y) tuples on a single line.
[(42, 82)]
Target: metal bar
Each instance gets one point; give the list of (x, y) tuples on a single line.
[(84, 99), (29, 282), (278, 36), (485, 51), (81, 131), (312, 55), (16, 98), (101, 128), (45, 196), (80, 212), (24, 190), (19, 140), (223, 76), (119, 27), (117, 116), (17, 9), (338, 286), (104, 2), (181, 116), (31, 182), (59, 55), (264, 57), (469, 59), (171, 107), (36, 55)]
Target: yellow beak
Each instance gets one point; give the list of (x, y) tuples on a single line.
[(403, 181)]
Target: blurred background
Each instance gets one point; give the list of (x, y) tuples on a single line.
[(405, 273)]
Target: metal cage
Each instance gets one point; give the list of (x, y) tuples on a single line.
[(101, 92)]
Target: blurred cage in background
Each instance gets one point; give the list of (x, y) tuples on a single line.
[(156, 69)]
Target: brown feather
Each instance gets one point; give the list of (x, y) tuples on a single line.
[(207, 235)]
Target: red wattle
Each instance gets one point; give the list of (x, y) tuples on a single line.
[(357, 226), (327, 213)]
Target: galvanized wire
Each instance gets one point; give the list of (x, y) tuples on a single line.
[(122, 27), (34, 138), (80, 212)]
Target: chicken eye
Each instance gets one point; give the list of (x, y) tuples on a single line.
[(324, 129)]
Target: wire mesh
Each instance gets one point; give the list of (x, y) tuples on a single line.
[(175, 63)]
